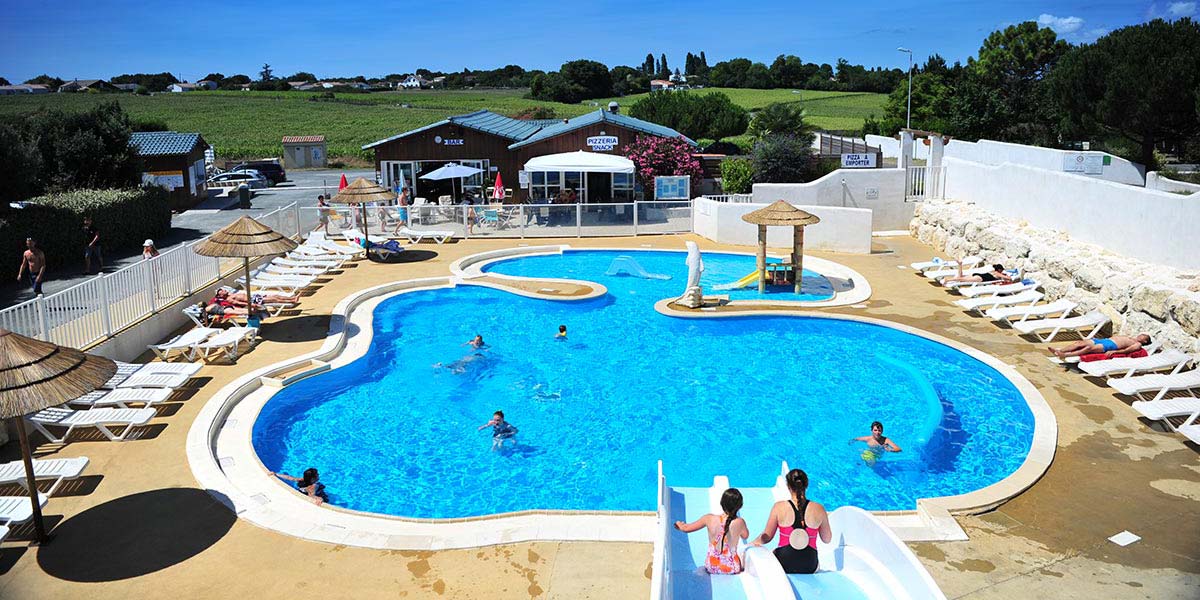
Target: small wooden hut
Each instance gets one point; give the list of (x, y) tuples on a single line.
[(782, 214)]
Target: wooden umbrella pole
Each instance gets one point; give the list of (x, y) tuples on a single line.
[(249, 297), (798, 255), (31, 482), (761, 261)]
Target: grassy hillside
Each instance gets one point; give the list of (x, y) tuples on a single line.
[(250, 124)]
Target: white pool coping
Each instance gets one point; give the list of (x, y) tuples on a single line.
[(223, 461)]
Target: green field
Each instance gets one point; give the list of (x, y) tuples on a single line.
[(250, 124)]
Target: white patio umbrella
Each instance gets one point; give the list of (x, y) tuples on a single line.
[(588, 162), (452, 171)]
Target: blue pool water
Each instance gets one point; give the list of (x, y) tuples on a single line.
[(391, 433)]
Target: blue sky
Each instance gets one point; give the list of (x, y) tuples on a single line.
[(102, 38)]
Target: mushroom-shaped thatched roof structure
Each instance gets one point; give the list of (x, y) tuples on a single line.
[(363, 192), (245, 238), (35, 375), (784, 214)]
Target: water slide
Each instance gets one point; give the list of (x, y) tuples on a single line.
[(626, 265), (749, 279), (865, 560)]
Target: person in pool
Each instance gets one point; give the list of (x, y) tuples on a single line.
[(562, 333), (877, 442), (476, 342), (310, 484), (996, 275), (501, 430), (1117, 344), (724, 531), (799, 522)]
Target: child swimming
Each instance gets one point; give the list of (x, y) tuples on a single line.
[(877, 444), (562, 333), (501, 430)]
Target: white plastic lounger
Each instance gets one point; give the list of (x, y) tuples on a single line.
[(327, 265), (1020, 314), (100, 418), (351, 235), (1158, 383), (984, 303), (158, 368), (1190, 429), (147, 380), (303, 280), (16, 509), (998, 289), (288, 270), (1094, 320), (937, 263), (183, 343), (944, 273), (122, 398), (328, 247), (227, 342), (58, 469), (415, 237), (1129, 367), (3, 532), (1160, 410)]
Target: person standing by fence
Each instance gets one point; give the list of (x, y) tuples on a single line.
[(35, 261), (92, 250)]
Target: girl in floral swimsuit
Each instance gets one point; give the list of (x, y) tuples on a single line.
[(724, 531)]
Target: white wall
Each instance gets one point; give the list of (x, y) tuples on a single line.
[(1157, 181), (840, 230), (889, 210), (1150, 225), (990, 152)]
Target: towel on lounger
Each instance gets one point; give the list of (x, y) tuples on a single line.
[(1139, 353)]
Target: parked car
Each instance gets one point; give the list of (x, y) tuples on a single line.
[(233, 179), (272, 169)]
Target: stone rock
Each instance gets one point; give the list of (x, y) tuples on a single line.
[(1185, 311), (991, 239), (1017, 247), (1152, 300), (1139, 322), (1090, 278)]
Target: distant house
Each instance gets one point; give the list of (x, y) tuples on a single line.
[(678, 78), (83, 85), (126, 87), (174, 161), (24, 88), (438, 81), (414, 82), (183, 87), (301, 151), (659, 85), (205, 84)]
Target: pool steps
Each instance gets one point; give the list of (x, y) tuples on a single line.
[(864, 561)]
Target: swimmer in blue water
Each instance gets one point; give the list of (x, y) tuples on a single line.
[(310, 485), (502, 430), (460, 366), (562, 333), (877, 443), (476, 343)]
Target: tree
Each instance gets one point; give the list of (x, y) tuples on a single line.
[(1139, 83), (87, 149), (216, 78), (712, 115), (51, 82), (266, 73), (782, 158), (154, 82), (234, 82), (653, 156), (628, 80), (788, 71), (758, 76), (737, 176), (554, 87), (648, 65), (931, 105), (729, 73), (781, 118), (4, 81), (302, 76), (20, 163), (590, 75), (664, 71)]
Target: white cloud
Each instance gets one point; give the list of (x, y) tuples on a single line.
[(1181, 9), (1063, 25)]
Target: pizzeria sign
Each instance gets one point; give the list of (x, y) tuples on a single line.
[(602, 143)]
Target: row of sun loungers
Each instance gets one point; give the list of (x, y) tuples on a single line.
[(203, 342), (1154, 376)]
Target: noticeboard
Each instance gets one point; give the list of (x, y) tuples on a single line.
[(1086, 163), (673, 187), (859, 161)]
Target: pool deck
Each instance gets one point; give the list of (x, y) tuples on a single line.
[(137, 526)]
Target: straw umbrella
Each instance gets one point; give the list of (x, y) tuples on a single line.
[(245, 238), (362, 192), (780, 213), (36, 375)]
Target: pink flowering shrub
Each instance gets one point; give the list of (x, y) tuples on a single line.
[(653, 156)]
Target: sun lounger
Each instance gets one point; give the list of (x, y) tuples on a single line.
[(1190, 429), (3, 532), (302, 280), (227, 342), (1094, 320), (1158, 383), (289, 270), (945, 273), (352, 235), (1173, 360), (159, 368), (122, 398), (146, 380), (937, 263), (17, 509), (415, 237), (318, 242), (983, 303), (58, 469), (100, 418), (998, 289), (1020, 314), (182, 344), (327, 265), (1160, 410)]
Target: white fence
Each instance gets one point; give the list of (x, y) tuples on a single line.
[(924, 182), (93, 311), (734, 198)]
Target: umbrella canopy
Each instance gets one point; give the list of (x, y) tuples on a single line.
[(451, 171), (363, 192), (245, 238), (588, 162), (36, 375), (342, 183), (781, 213), (498, 189)]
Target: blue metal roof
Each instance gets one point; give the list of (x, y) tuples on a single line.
[(482, 120), (160, 143), (601, 116)]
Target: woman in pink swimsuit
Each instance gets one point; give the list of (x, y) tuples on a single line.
[(805, 520), (724, 531)]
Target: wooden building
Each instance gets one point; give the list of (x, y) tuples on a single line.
[(174, 161), (499, 144)]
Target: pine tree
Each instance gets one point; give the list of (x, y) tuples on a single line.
[(703, 62), (648, 67), (663, 70), (689, 64)]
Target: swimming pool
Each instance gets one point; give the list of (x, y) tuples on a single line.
[(393, 434)]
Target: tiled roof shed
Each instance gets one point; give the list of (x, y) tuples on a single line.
[(164, 143)]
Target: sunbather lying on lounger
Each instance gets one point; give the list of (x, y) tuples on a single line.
[(239, 298), (996, 275), (1117, 344)]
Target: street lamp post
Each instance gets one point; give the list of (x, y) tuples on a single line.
[(908, 120)]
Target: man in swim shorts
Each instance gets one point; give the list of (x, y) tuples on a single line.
[(501, 430), (1117, 344)]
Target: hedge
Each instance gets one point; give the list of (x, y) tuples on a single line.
[(125, 218)]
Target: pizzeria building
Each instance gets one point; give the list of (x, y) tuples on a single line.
[(502, 145)]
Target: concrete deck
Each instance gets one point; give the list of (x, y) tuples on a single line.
[(137, 525)]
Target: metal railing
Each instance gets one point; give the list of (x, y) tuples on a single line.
[(924, 182), (515, 220), (733, 198), (93, 311)]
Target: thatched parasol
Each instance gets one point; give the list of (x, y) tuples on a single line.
[(781, 213), (36, 375), (245, 238), (363, 192)]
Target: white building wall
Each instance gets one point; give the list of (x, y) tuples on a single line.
[(880, 190), (1149, 225), (840, 230), (1157, 181)]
